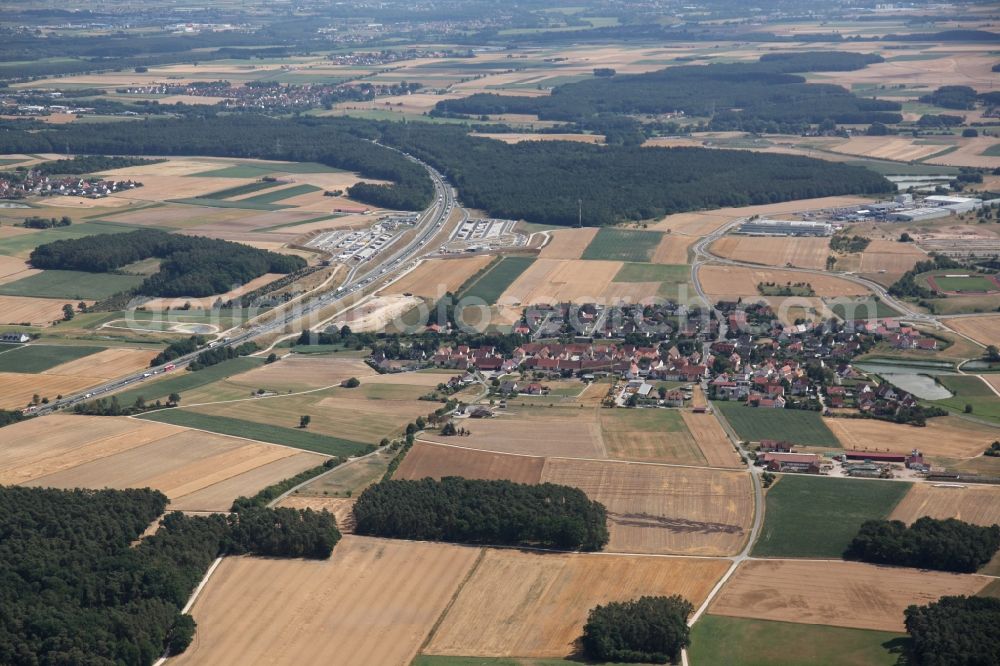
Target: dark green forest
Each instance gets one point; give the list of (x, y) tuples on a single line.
[(945, 545), (647, 630), (192, 265), (767, 95), (76, 591), (482, 512), (955, 631), (84, 164)]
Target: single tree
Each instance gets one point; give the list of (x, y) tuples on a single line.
[(68, 312), (304, 421), (174, 399)]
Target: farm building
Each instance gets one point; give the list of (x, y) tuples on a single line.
[(15, 338), (802, 463), (786, 228)]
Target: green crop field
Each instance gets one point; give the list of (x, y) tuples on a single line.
[(623, 245), (495, 281), (640, 272), (259, 170), (39, 358), (24, 243), (970, 390), (992, 151), (223, 203), (809, 516), (793, 425), (182, 380), (743, 642), (239, 190), (73, 285), (282, 194), (861, 308), (299, 439)]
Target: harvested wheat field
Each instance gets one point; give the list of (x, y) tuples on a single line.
[(568, 243), (372, 602), (673, 249), (663, 509), (970, 153), (561, 281), (711, 438), (787, 251), (426, 379), (174, 166), (302, 372), (535, 605), (438, 460), (157, 187), (207, 302), (900, 149), (984, 330), (705, 222), (890, 257), (692, 224), (17, 388), (14, 268), (946, 436), (196, 470), (559, 431), (33, 311), (342, 508), (733, 282), (973, 504), (842, 594), (107, 364), (377, 313), (432, 278)]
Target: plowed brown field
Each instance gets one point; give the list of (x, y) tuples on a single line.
[(372, 602), (842, 594), (973, 504), (535, 605)]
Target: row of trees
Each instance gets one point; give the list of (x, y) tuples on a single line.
[(75, 591), (220, 354), (945, 545), (486, 512), (736, 96), (35, 222), (191, 266)]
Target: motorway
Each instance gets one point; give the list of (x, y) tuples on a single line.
[(361, 278)]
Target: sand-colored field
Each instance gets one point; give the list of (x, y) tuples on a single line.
[(711, 439), (560, 281), (107, 364), (984, 330), (970, 153), (693, 224), (662, 509), (535, 605), (17, 388), (177, 216), (434, 277), (534, 431), (342, 508), (673, 249), (174, 166), (842, 594), (207, 302), (967, 69), (302, 372), (568, 243), (437, 461), (733, 282), (705, 222), (973, 504), (901, 149), (947, 436), (196, 470), (157, 187), (777, 251), (890, 257), (14, 268), (376, 314), (372, 602), (32, 311)]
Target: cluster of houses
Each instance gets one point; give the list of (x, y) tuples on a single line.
[(34, 183), (593, 320), (376, 58)]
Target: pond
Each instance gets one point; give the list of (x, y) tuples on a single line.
[(918, 381)]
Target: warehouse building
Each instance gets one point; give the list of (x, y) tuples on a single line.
[(918, 214), (786, 228)]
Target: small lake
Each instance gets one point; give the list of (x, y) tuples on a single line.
[(918, 381)]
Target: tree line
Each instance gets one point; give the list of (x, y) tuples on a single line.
[(907, 287), (955, 631), (484, 512), (192, 265), (84, 164), (736, 96), (75, 591), (944, 545)]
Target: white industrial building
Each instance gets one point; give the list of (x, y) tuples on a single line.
[(954, 204), (786, 228), (919, 214)]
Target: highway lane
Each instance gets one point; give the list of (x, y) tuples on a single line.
[(361, 278)]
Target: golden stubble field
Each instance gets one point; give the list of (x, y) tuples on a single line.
[(947, 436), (973, 504), (568, 243), (303, 372), (561, 281), (733, 282), (13, 269), (984, 330), (775, 251), (196, 470), (106, 364), (705, 222), (33, 311), (372, 602), (434, 277), (535, 605), (841, 594), (890, 257)]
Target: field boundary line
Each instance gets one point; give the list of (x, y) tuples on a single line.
[(451, 602), (607, 460), (194, 597), (346, 463)]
